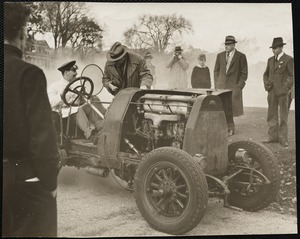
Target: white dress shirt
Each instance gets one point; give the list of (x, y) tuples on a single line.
[(55, 90), (279, 56), (231, 54)]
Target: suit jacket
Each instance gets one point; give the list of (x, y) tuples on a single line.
[(234, 79), (137, 74), (29, 134), (279, 75)]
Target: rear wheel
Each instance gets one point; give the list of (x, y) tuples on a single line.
[(171, 190), (249, 189)]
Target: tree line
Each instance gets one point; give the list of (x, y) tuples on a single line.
[(71, 26)]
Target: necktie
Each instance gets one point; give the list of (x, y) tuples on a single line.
[(227, 56)]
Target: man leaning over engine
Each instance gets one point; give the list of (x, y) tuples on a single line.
[(125, 69)]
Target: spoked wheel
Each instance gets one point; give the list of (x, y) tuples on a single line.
[(257, 184), (171, 190), (78, 89)]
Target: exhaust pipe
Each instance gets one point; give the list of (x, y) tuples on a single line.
[(97, 171)]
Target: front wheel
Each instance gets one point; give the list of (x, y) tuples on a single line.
[(171, 190), (258, 183)]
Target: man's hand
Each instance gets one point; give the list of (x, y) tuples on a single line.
[(143, 87), (112, 87)]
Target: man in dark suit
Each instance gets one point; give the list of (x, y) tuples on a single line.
[(231, 72), (278, 81), (30, 154)]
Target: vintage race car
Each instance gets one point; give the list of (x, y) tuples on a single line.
[(172, 149)]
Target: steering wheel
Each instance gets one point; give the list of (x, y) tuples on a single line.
[(78, 87)]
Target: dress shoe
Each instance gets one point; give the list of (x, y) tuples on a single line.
[(284, 144), (230, 132), (269, 141)]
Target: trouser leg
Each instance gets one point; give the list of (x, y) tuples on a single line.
[(227, 105), (82, 119), (283, 112), (272, 116), (92, 115)]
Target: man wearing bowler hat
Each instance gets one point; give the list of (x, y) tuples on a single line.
[(278, 81), (125, 69), (231, 72)]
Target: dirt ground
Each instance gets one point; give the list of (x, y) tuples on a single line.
[(89, 206)]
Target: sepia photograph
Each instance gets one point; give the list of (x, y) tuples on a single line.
[(136, 119)]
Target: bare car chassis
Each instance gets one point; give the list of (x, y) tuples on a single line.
[(172, 149)]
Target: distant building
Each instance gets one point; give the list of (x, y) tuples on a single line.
[(39, 53)]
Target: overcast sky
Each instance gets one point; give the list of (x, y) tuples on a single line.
[(211, 21)]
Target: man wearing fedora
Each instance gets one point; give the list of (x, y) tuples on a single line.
[(86, 118), (231, 72), (178, 66), (278, 81), (148, 58), (125, 69)]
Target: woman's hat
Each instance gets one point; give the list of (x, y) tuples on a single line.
[(277, 41), (178, 49), (116, 52), (148, 55), (230, 40)]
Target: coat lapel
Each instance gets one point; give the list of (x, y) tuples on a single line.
[(277, 63), (131, 67)]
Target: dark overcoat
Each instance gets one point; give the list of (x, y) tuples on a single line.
[(29, 151), (279, 75), (28, 128), (234, 79), (137, 74)]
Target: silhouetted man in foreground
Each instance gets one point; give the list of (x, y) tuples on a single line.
[(30, 154)]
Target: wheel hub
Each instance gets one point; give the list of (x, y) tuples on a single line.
[(169, 187)]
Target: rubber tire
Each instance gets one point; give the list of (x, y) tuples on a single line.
[(198, 191), (270, 169)]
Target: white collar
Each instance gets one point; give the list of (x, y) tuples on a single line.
[(280, 55), (201, 66)]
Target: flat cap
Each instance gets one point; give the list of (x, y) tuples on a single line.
[(67, 66)]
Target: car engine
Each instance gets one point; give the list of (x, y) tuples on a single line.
[(157, 121)]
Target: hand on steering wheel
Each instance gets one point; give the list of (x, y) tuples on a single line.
[(79, 91)]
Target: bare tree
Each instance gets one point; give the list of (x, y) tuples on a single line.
[(156, 31), (87, 35), (87, 38), (62, 19)]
